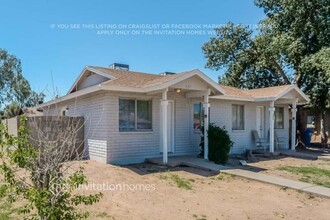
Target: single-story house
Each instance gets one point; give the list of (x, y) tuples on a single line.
[(131, 116)]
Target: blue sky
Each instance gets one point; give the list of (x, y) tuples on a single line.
[(53, 55)]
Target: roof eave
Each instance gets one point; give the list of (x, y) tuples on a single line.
[(294, 87), (123, 89), (235, 98), (77, 80), (71, 96), (185, 76), (265, 99), (84, 70)]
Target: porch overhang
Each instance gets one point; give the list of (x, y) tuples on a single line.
[(286, 96)]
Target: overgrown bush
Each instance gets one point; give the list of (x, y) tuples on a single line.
[(42, 176), (219, 144)]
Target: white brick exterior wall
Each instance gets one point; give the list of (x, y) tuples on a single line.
[(130, 147), (95, 110), (104, 142), (221, 115)]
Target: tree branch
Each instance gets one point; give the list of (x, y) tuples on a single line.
[(281, 72), (298, 78)]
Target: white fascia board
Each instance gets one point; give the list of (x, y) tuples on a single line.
[(77, 80), (270, 99), (284, 92), (157, 87), (170, 83), (184, 77), (266, 99), (71, 96), (235, 98), (210, 81), (100, 73), (91, 70), (123, 89), (161, 86), (303, 95), (294, 87)]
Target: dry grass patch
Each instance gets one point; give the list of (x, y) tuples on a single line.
[(310, 174), (101, 215), (8, 211), (199, 217), (177, 180), (224, 176)]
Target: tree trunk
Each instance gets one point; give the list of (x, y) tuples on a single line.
[(324, 138), (299, 128), (281, 73)]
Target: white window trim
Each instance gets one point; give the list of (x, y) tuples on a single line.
[(244, 114), (193, 113), (136, 130), (283, 122)]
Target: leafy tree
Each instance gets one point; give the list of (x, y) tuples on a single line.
[(37, 169), (290, 46), (320, 60), (249, 61), (13, 86), (12, 110), (34, 99), (10, 70)]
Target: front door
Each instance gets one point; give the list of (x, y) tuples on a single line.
[(260, 123), (170, 127)]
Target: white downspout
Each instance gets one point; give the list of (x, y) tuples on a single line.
[(293, 126), (164, 104), (206, 124), (271, 127)]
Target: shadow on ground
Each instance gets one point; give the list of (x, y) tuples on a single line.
[(148, 168)]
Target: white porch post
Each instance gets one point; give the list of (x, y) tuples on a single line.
[(293, 127), (206, 124), (271, 127), (164, 104)]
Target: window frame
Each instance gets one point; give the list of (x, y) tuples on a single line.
[(236, 127), (201, 115), (282, 124), (136, 129)]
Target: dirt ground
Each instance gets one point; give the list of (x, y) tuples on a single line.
[(148, 195)]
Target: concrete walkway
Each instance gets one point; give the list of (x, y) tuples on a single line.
[(204, 164), (306, 155)]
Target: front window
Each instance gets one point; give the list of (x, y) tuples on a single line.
[(198, 116), (279, 117), (238, 117), (143, 115), (135, 115)]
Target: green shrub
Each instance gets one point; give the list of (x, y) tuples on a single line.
[(219, 144), (42, 177)]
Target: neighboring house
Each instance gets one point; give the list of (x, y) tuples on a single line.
[(311, 118), (125, 112)]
